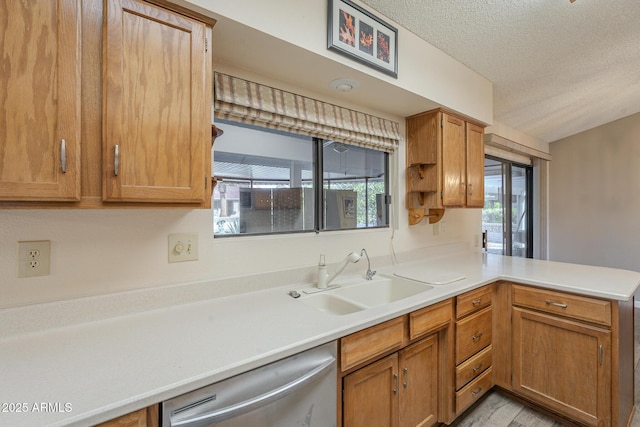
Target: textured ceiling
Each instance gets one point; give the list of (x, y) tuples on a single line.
[(558, 68)]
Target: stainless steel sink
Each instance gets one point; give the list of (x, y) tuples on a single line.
[(360, 295)]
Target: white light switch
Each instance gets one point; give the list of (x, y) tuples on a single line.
[(183, 247)]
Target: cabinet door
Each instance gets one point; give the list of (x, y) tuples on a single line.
[(371, 395), (156, 115), (453, 161), (419, 383), (40, 99), (147, 417), (563, 365), (475, 166)]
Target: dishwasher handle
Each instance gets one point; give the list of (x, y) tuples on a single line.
[(256, 402)]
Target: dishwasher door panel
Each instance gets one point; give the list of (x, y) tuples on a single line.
[(297, 391)]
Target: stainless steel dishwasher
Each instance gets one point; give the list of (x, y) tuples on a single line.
[(297, 391)]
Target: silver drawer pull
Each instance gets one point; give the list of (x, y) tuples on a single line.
[(477, 336), (476, 391), (470, 189), (63, 155), (556, 304), (477, 367), (406, 377), (116, 160), (476, 302)]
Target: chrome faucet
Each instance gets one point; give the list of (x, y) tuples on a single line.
[(369, 274)]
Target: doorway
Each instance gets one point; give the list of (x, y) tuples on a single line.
[(507, 214)]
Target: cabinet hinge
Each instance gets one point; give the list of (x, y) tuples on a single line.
[(387, 199), (206, 44), (441, 123)]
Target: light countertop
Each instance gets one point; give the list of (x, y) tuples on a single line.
[(94, 368)]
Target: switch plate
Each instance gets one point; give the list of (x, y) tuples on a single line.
[(183, 247), (34, 258), (436, 229)]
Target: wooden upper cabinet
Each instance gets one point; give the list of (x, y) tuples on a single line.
[(40, 99), (453, 161), (156, 105), (462, 163), (475, 166), (445, 164)]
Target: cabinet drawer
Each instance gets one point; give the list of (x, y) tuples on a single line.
[(429, 319), (375, 341), (473, 367), (473, 301), (473, 333), (574, 306), (474, 390)]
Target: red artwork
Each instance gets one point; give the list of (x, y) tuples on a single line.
[(384, 53)]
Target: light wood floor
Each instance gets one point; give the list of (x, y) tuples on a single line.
[(497, 410)]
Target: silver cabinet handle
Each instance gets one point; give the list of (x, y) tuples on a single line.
[(471, 189), (600, 354), (477, 367), (406, 377), (395, 383), (476, 391), (556, 304), (462, 188), (477, 336), (63, 155), (476, 302), (116, 160)]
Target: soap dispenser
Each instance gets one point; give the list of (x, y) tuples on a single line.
[(323, 275)]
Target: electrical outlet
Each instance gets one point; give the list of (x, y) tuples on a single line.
[(183, 247), (34, 258), (443, 226), (436, 229)]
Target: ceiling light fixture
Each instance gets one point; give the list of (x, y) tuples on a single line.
[(344, 84)]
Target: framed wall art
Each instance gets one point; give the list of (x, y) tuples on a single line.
[(358, 34)]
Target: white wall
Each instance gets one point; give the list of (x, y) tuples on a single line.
[(595, 196), (422, 69), (102, 251)]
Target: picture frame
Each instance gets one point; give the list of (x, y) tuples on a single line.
[(358, 34)]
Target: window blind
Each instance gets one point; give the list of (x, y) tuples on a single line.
[(253, 103)]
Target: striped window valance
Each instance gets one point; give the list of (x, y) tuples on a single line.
[(248, 102)]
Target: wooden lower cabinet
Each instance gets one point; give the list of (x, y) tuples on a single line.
[(564, 365), (145, 417), (371, 395), (418, 391), (399, 390)]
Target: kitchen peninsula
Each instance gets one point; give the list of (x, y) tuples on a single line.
[(102, 357)]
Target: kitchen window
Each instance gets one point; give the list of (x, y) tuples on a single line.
[(269, 183)]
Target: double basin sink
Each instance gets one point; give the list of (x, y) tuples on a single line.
[(360, 294)]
